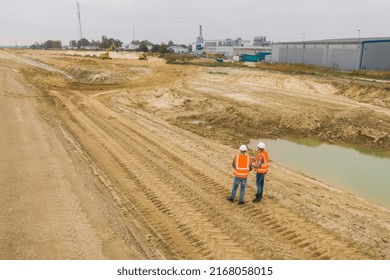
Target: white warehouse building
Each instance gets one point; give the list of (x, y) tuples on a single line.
[(345, 54)]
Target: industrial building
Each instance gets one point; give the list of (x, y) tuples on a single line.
[(345, 54), (230, 47)]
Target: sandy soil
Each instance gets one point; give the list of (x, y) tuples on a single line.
[(129, 159)]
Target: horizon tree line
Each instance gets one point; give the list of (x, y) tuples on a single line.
[(144, 45)]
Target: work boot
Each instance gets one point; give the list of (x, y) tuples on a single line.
[(230, 199), (241, 202), (257, 199)]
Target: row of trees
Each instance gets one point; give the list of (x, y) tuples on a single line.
[(103, 44), (50, 44), (144, 46), (56, 44)]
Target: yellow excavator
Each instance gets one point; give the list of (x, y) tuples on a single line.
[(106, 55), (142, 56)]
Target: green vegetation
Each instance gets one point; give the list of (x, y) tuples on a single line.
[(103, 44), (318, 70), (306, 69), (172, 58), (382, 75), (298, 68), (49, 44)]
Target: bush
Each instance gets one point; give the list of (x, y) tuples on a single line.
[(172, 58), (371, 74)]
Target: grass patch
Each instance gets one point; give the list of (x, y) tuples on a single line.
[(307, 69), (172, 58), (318, 70), (297, 68), (372, 74)]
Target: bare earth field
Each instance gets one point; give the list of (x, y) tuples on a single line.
[(129, 159)]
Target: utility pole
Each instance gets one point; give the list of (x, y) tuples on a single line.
[(79, 17), (359, 51), (358, 36), (303, 47)]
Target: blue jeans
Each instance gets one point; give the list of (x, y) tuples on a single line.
[(260, 184), (236, 182)]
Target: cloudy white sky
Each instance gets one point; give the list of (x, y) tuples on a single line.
[(24, 22)]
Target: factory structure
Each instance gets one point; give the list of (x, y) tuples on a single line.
[(344, 54), (230, 48)]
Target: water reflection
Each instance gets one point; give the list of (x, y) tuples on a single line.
[(358, 171)]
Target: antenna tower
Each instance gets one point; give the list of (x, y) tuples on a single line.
[(78, 15)]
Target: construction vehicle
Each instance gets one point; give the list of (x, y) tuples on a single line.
[(260, 56), (249, 58), (106, 55), (142, 56)]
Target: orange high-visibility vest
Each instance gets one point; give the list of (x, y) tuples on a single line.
[(241, 166), (261, 162)]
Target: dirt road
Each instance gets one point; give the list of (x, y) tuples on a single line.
[(128, 159)]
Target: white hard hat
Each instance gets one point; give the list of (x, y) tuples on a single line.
[(243, 148), (261, 145)]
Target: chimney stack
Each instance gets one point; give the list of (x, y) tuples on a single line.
[(199, 40)]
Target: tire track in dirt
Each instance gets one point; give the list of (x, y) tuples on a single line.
[(164, 196), (144, 205), (100, 189), (209, 183), (124, 147), (298, 239), (272, 219), (194, 177), (80, 125)]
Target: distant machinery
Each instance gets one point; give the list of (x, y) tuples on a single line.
[(106, 55), (142, 56)]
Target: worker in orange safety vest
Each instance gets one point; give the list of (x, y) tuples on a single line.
[(260, 164), (242, 165)]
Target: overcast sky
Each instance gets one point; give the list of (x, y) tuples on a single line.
[(24, 22)]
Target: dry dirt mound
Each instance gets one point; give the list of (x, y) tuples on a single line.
[(95, 77), (374, 93)]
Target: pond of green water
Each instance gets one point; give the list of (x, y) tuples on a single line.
[(361, 172)]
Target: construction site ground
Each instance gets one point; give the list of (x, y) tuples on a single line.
[(131, 159)]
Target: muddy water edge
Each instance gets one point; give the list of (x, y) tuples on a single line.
[(361, 172)]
